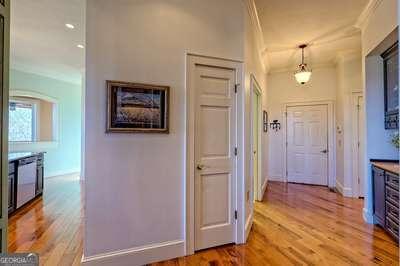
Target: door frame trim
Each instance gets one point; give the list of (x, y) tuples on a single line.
[(331, 137), (255, 87), (189, 199), (355, 149)]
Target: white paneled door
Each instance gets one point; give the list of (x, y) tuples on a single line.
[(307, 144), (215, 141)]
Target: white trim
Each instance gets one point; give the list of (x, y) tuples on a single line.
[(363, 19), (368, 216), (264, 187), (345, 191), (276, 178), (355, 148), (255, 87), (249, 223), (138, 255), (259, 36), (189, 214), (331, 137)]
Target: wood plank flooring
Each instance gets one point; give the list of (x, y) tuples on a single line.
[(294, 225), (304, 225), (51, 227)]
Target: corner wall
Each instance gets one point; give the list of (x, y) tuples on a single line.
[(253, 67), (135, 183), (382, 21)]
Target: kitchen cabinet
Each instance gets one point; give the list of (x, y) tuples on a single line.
[(386, 196)]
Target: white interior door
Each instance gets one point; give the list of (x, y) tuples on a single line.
[(215, 142), (360, 166), (307, 144)]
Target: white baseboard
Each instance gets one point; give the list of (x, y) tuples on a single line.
[(264, 187), (249, 223), (368, 216), (345, 191), (139, 255), (276, 178), (61, 172)]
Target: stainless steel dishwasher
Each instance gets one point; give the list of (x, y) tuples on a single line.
[(26, 180)]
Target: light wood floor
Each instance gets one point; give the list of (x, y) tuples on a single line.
[(52, 227), (304, 225), (294, 225)]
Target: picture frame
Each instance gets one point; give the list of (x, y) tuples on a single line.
[(137, 108), (265, 121)]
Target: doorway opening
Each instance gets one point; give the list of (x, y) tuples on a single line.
[(309, 143), (256, 128)]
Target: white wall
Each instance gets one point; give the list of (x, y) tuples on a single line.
[(135, 182), (283, 88), (374, 31), (253, 66), (349, 77)]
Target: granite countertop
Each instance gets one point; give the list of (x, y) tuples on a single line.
[(12, 156), (388, 166)]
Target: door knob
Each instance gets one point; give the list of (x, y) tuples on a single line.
[(200, 167), (324, 151)]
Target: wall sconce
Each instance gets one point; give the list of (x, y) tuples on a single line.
[(275, 125)]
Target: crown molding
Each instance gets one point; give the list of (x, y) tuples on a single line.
[(365, 15), (257, 30)]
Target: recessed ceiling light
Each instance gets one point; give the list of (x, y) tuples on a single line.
[(80, 46), (69, 26)]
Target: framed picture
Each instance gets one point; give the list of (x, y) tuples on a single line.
[(137, 108), (265, 121)]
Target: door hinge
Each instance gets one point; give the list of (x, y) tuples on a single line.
[(285, 113), (236, 215), (236, 151), (237, 87), (358, 106), (358, 179)]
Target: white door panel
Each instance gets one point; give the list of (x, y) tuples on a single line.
[(361, 146), (307, 144), (215, 141)]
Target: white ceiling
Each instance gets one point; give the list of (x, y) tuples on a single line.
[(40, 42), (326, 25)]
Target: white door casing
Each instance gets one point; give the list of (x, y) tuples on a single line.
[(215, 157), (307, 144)]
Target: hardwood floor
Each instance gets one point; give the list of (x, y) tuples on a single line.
[(294, 225), (304, 225), (51, 227)]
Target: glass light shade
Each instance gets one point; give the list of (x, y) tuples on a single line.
[(303, 75)]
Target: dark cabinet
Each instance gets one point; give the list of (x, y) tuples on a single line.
[(11, 193), (39, 175), (386, 200), (391, 86), (379, 195)]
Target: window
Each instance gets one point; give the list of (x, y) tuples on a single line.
[(22, 121)]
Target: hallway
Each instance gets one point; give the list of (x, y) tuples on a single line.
[(295, 224), (299, 224)]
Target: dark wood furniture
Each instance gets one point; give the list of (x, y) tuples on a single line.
[(391, 86), (385, 177), (13, 164)]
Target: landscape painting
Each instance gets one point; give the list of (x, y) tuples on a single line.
[(134, 107)]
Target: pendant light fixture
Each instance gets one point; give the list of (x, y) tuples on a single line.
[(303, 75)]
